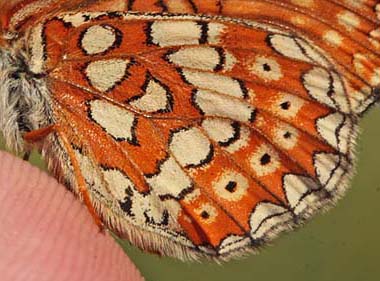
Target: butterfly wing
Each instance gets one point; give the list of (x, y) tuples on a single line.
[(200, 135), (196, 135)]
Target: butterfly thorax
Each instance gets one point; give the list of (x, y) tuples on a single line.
[(23, 98)]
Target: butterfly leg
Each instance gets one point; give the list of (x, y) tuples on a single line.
[(38, 135)]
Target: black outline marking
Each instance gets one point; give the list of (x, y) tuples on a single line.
[(222, 59), (109, 15), (265, 159), (133, 141), (194, 94), (130, 5), (243, 88), (169, 96), (148, 33), (231, 186), (235, 137), (116, 44), (161, 4), (193, 6), (203, 39)]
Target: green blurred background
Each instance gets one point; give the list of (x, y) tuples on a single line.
[(342, 244)]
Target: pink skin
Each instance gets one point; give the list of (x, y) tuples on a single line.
[(47, 234)]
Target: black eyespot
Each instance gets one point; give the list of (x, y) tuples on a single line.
[(266, 67), (287, 135), (231, 186), (265, 159), (285, 105), (205, 215)]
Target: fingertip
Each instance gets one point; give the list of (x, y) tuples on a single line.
[(47, 234)]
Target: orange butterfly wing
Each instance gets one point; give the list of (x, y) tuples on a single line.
[(206, 136)]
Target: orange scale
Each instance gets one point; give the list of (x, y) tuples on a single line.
[(236, 36), (131, 85), (55, 35), (205, 6), (304, 147), (192, 230), (150, 149), (94, 139), (69, 96), (271, 182), (146, 6), (215, 223), (230, 187)]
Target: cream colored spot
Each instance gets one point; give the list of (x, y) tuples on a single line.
[(333, 38), (219, 130), (190, 147), (105, 74), (214, 82), (212, 104), (171, 181), (201, 58), (233, 242), (207, 213), (175, 33), (303, 3), (286, 136), (231, 186), (98, 39), (215, 32), (325, 164), (266, 68), (264, 161), (375, 33), (349, 20), (154, 99), (328, 126), (117, 183), (287, 105), (296, 186), (114, 120), (230, 61), (265, 212)]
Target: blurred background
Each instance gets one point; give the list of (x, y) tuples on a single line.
[(342, 244)]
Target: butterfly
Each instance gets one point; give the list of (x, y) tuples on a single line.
[(192, 128)]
